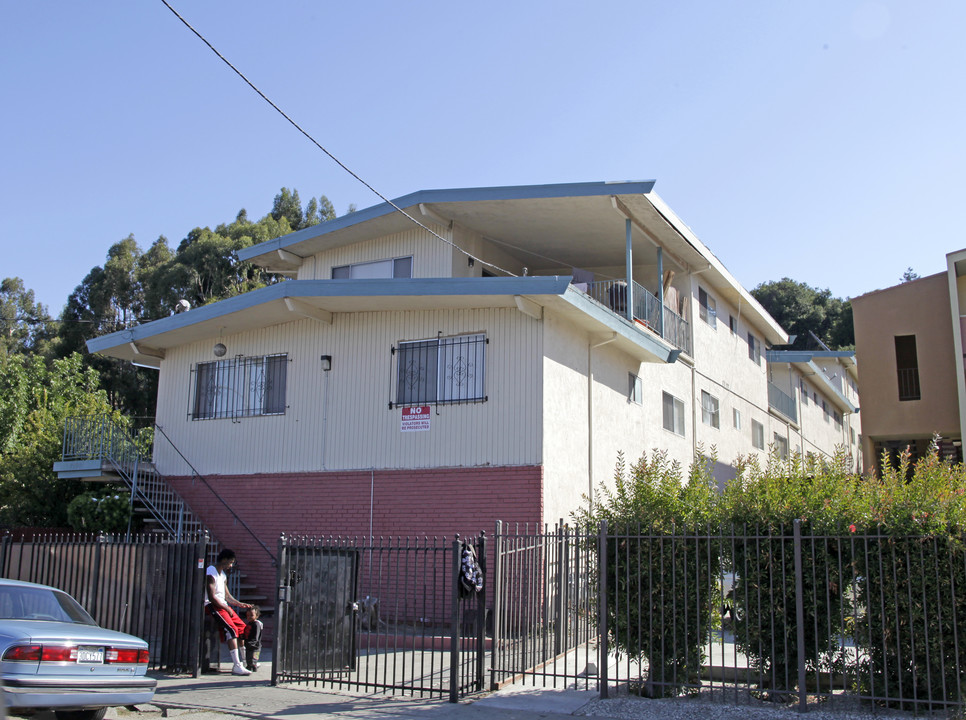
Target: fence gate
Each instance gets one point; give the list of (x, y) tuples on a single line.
[(389, 616)]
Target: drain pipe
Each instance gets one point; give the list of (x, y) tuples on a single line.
[(590, 416)]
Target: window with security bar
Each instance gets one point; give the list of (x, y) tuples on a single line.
[(240, 387), (443, 370)]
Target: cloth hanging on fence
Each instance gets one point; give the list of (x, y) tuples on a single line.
[(471, 576)]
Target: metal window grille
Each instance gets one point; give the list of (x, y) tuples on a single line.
[(445, 370), (240, 387)]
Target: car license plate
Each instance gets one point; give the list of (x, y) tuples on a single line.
[(90, 655)]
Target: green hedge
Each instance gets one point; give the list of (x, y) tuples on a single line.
[(660, 576), (904, 609)]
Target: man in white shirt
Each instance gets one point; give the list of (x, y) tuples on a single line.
[(218, 604)]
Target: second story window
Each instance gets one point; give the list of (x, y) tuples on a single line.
[(380, 269), (709, 410), (757, 434), (240, 387), (781, 446), (442, 370), (635, 390), (673, 411), (707, 308)]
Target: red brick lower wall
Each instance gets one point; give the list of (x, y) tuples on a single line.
[(434, 502)]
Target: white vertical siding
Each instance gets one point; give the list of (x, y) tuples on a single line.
[(358, 429), (431, 256)]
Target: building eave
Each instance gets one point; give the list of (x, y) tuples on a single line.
[(804, 362), (318, 299)]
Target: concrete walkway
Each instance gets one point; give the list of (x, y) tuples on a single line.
[(226, 696)]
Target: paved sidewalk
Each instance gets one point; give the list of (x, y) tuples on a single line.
[(226, 696)]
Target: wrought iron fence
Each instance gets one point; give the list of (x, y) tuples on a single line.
[(735, 613), (148, 586), (380, 615), (545, 612)]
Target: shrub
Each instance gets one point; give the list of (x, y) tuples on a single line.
[(662, 567), (764, 507), (912, 567), (97, 512)]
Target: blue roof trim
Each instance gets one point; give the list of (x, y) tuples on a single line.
[(530, 285), (509, 192)]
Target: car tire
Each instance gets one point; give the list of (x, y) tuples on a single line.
[(81, 714)]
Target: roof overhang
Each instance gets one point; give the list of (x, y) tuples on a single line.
[(579, 225), (804, 362), (319, 299)]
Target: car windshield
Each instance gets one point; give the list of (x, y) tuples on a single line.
[(28, 603)]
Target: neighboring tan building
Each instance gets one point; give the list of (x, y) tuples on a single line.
[(396, 386), (910, 349)]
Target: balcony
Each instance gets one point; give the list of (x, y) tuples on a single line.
[(612, 294), (781, 402)]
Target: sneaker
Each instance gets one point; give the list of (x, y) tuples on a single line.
[(239, 670)]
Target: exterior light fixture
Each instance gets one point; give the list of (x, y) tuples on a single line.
[(326, 363), (219, 350)]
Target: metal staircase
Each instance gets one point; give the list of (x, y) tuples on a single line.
[(96, 447)]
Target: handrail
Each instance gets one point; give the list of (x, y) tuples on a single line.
[(647, 309), (228, 507), (98, 436)]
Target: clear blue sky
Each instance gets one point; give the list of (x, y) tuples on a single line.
[(820, 140)]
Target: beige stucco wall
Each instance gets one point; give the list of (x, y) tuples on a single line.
[(341, 419), (921, 308), (724, 370)]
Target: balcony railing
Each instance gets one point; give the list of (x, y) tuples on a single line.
[(647, 310), (909, 384), (779, 400)]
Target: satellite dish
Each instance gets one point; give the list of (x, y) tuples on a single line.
[(182, 306)]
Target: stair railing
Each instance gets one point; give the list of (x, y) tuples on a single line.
[(198, 476), (98, 437)]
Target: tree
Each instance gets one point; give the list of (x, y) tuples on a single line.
[(134, 287), (909, 275), (799, 309), (25, 325), (36, 398), (287, 205)]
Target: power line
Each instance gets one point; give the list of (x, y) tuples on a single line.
[(319, 146)]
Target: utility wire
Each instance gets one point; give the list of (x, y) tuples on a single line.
[(319, 146)]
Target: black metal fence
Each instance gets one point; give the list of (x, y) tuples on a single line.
[(737, 614), (149, 586), (381, 615), (545, 611)]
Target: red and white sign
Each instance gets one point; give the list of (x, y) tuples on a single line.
[(415, 419)]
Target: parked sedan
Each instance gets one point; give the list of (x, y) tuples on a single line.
[(53, 656)]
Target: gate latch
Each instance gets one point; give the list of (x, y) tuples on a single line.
[(284, 593)]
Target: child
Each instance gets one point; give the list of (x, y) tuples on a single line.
[(253, 637)]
